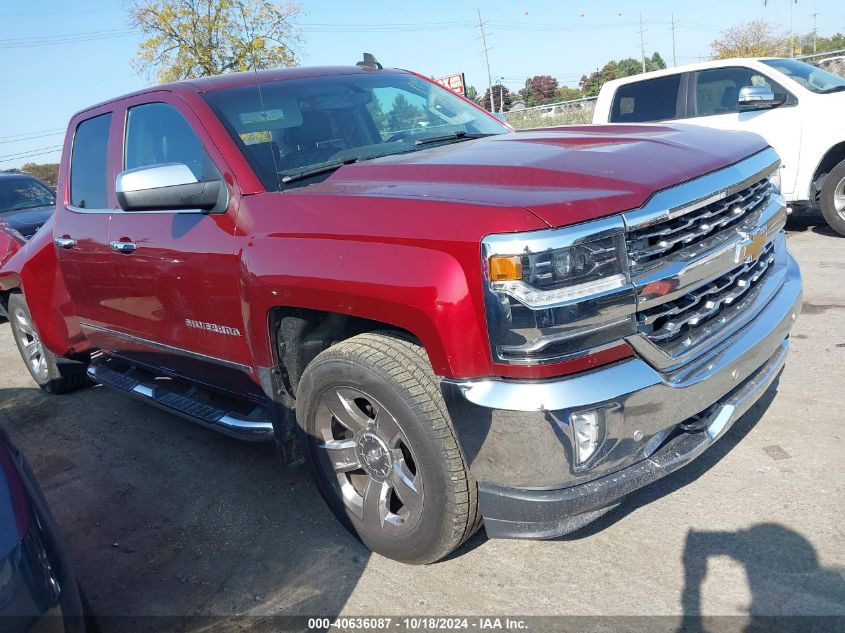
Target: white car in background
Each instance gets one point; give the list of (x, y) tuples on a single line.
[(798, 108)]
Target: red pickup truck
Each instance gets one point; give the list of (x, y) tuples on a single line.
[(451, 321)]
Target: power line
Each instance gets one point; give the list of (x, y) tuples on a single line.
[(14, 136), (32, 155), (51, 148), (30, 138)]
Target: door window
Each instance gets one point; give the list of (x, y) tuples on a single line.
[(88, 164), (717, 90), (158, 134), (648, 100)]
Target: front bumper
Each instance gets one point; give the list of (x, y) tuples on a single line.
[(516, 436)]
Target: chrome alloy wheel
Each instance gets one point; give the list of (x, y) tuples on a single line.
[(364, 449), (839, 198), (31, 349)]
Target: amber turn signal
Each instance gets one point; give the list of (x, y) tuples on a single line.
[(505, 268)]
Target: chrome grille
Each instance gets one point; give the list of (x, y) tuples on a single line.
[(667, 323), (649, 244)]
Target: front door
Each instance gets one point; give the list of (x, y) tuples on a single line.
[(181, 274), (716, 105)]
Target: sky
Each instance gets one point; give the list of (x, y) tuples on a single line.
[(59, 56)]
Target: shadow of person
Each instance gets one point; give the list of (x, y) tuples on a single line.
[(783, 572)]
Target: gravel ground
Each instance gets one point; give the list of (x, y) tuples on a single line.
[(163, 517)]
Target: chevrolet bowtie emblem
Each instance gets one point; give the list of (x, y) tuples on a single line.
[(750, 247)]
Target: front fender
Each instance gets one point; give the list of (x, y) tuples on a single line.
[(418, 288), (34, 271)]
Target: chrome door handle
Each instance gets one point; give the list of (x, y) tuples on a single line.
[(64, 242), (123, 247)]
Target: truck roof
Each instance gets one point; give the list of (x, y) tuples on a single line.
[(715, 63), (234, 80)]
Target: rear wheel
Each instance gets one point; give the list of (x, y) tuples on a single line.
[(381, 447), (52, 374), (833, 198)]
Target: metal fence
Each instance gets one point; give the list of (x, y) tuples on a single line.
[(562, 113)]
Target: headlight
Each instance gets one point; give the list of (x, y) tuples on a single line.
[(557, 293), (774, 178)]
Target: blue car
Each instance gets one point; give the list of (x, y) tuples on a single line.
[(38, 591)]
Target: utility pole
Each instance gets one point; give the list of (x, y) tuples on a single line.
[(815, 32), (642, 42), (791, 36), (674, 60), (487, 62)]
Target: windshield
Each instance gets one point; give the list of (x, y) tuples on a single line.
[(24, 193), (812, 78), (294, 126)]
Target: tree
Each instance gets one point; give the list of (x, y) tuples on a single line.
[(197, 38), (403, 115), (753, 39), (539, 90), (591, 84), (45, 172), (565, 93), (472, 94), (499, 92), (823, 44)]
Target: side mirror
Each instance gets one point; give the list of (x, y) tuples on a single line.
[(169, 187), (758, 97)]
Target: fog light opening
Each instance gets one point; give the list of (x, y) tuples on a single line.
[(588, 431)]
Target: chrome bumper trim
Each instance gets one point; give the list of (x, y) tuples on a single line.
[(518, 513), (516, 433)]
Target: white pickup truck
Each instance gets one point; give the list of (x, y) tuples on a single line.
[(798, 108)]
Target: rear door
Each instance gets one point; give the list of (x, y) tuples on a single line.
[(81, 233), (182, 290), (714, 96), (658, 99)]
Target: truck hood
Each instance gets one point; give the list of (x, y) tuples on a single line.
[(562, 175)]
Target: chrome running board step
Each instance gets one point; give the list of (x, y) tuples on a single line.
[(254, 427)]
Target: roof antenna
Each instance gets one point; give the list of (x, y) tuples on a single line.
[(369, 63)]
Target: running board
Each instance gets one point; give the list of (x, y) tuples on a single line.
[(255, 427)]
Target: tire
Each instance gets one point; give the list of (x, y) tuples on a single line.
[(833, 198), (54, 375), (376, 434)]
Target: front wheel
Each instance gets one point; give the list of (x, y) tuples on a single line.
[(378, 438), (52, 374), (833, 198)]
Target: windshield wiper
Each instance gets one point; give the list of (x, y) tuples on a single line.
[(834, 89), (316, 171), (30, 206), (457, 136)]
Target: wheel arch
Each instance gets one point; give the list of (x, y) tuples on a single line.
[(831, 159), (34, 272), (423, 292)]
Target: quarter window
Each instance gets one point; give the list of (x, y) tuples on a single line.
[(88, 163), (158, 134), (648, 100)]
